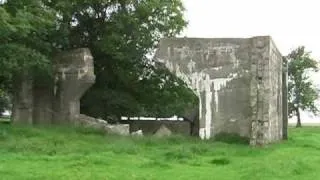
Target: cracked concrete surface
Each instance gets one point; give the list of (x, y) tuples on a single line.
[(238, 82)]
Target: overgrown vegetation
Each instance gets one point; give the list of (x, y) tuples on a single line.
[(120, 35), (68, 153)]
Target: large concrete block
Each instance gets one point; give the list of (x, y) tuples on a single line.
[(58, 101), (74, 74), (238, 82)]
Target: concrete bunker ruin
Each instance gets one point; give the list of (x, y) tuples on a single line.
[(58, 102), (239, 82)]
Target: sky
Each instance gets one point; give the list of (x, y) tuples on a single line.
[(291, 23)]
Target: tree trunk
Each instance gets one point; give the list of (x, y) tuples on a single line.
[(298, 117)]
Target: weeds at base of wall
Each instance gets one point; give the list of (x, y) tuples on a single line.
[(231, 138)]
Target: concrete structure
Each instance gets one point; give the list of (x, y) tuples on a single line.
[(238, 82), (151, 125), (58, 100), (74, 76)]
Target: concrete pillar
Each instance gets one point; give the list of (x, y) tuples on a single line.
[(42, 104), (74, 73), (22, 109)]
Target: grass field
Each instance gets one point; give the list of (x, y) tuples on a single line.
[(62, 153)]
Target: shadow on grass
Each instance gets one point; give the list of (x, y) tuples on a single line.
[(220, 161), (5, 122), (156, 164), (181, 155), (231, 138), (309, 146)]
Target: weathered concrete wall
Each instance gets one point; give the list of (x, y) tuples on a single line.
[(74, 76), (232, 78), (276, 101), (23, 99), (43, 104), (35, 104), (266, 91)]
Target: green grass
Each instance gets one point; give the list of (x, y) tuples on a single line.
[(69, 153), (4, 119)]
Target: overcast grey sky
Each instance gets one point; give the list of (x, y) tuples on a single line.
[(290, 23)]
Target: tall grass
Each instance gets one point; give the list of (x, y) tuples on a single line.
[(76, 153)]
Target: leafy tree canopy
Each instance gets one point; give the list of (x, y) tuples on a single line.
[(302, 92), (24, 29), (119, 33)]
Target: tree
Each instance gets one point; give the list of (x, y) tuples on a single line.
[(25, 46), (120, 33), (302, 93)]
